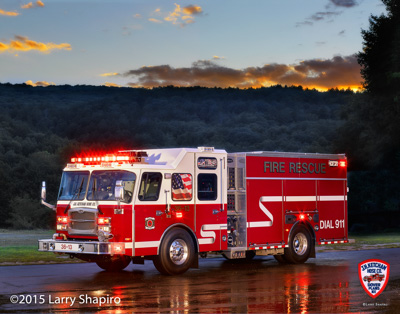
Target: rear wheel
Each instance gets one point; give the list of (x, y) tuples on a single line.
[(113, 263), (299, 246), (176, 253)]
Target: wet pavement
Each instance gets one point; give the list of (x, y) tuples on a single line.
[(327, 284)]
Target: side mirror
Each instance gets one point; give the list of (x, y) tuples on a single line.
[(43, 197), (119, 191), (43, 194)]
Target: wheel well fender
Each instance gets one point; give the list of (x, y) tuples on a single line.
[(184, 227), (310, 229)]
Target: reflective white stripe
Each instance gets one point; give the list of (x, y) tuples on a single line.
[(207, 241), (269, 247), (265, 210), (301, 198), (331, 242), (332, 198), (308, 198), (271, 199), (206, 232), (147, 244), (128, 245), (256, 224)]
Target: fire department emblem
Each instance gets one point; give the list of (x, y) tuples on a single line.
[(149, 223), (374, 276)]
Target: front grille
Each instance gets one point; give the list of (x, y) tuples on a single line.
[(82, 221), (84, 215)]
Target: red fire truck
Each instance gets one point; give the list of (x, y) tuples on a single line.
[(172, 205)]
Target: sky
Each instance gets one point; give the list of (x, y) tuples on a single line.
[(148, 43)]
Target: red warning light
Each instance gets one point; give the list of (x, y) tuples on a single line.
[(179, 215), (119, 157), (302, 216), (342, 163)]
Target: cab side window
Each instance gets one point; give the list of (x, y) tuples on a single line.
[(150, 186), (207, 187)]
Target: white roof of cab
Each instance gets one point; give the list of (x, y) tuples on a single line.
[(171, 157), (165, 158)]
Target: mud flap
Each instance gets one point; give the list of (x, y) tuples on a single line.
[(195, 263), (312, 253)]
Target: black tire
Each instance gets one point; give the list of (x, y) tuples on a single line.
[(113, 263), (176, 253), (299, 246), (280, 259)]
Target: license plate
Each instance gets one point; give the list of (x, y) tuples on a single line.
[(67, 247)]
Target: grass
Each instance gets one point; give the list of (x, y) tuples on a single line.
[(20, 247), (377, 238), (365, 242)]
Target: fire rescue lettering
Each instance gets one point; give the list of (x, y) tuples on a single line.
[(294, 167)]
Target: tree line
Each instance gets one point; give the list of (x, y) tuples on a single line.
[(41, 128)]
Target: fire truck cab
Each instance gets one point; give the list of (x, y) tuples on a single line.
[(172, 205)]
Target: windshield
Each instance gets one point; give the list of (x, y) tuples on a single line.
[(73, 185), (102, 185)]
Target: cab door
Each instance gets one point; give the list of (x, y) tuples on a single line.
[(211, 210)]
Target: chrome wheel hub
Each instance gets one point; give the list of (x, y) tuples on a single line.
[(178, 252), (300, 243)]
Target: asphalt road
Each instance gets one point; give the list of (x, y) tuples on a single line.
[(329, 283)]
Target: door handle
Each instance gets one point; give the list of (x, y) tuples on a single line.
[(215, 211)]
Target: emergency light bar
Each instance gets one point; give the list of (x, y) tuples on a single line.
[(120, 157)]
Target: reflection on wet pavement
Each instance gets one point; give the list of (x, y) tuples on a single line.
[(321, 285)]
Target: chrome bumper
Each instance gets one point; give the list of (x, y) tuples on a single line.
[(81, 247)]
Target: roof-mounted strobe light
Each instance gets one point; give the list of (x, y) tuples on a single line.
[(121, 157)]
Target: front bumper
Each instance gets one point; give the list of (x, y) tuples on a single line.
[(81, 247)]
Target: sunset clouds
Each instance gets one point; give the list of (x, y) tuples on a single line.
[(339, 71), (21, 43), (109, 74), (180, 16), (40, 83), (8, 13), (31, 5)]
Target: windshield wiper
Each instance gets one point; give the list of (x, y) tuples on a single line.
[(76, 195)]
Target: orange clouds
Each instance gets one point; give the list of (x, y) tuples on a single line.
[(183, 16), (8, 13), (21, 43), (180, 16), (40, 83), (192, 10), (31, 5), (108, 84), (109, 74), (315, 73)]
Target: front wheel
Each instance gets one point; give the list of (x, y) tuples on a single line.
[(299, 246), (176, 253), (113, 263)]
